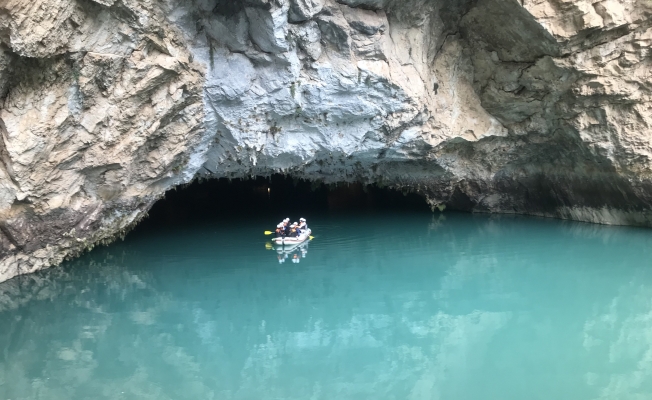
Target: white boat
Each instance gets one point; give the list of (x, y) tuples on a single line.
[(292, 241)]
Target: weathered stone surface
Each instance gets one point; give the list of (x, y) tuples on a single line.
[(540, 107), (93, 130), (268, 27), (303, 10), (365, 21)]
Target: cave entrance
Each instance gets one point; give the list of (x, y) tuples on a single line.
[(275, 197)]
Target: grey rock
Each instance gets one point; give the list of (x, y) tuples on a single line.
[(368, 4), (268, 28), (335, 30), (231, 32), (303, 10), (107, 3), (366, 21), (308, 38)]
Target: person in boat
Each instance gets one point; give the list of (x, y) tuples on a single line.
[(302, 224), (293, 230), (282, 229), (296, 228)]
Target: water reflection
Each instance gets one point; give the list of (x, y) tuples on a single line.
[(293, 253), (461, 307)]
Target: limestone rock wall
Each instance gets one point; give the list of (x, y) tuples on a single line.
[(101, 111), (532, 106)]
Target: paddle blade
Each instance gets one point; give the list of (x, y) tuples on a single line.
[(268, 232), (311, 237)]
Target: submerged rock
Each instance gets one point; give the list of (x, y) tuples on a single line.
[(482, 105)]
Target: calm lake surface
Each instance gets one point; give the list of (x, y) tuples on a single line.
[(392, 305)]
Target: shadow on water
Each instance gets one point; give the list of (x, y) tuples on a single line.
[(386, 304)]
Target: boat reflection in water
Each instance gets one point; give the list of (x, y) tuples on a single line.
[(292, 252)]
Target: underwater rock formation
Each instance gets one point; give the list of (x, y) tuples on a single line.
[(539, 107)]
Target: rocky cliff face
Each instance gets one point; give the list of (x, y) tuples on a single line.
[(535, 106)]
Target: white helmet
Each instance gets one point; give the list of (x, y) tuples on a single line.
[(280, 225), (286, 220), (302, 219)]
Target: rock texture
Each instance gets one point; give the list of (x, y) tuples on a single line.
[(535, 106)]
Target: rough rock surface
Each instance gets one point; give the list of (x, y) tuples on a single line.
[(535, 106)]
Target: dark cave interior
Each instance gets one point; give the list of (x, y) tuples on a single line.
[(278, 195)]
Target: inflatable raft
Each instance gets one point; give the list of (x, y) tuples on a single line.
[(292, 241)]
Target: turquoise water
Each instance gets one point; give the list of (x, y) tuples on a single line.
[(378, 306)]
